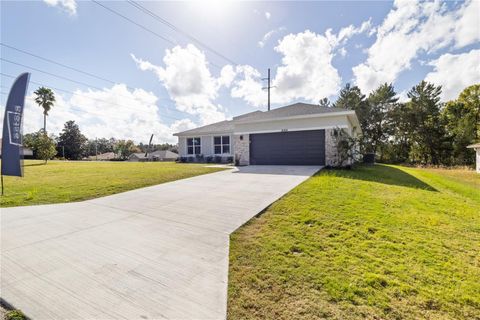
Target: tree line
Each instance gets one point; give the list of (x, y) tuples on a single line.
[(423, 130), (71, 144)]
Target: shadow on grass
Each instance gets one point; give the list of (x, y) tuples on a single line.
[(382, 174), (34, 164)]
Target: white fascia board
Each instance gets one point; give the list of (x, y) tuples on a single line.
[(316, 115), (192, 135), (293, 129)]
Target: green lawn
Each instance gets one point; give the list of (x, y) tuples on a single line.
[(382, 242), (61, 181)]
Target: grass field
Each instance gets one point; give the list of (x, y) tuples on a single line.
[(60, 181), (380, 242)]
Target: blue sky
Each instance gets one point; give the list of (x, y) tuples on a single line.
[(312, 48)]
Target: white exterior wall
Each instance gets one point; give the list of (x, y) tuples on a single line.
[(310, 123), (182, 146), (206, 144)]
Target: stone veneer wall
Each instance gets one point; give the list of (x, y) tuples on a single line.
[(331, 154), (242, 149), (331, 157)]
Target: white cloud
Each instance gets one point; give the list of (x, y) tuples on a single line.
[(249, 86), (467, 26), (411, 28), (342, 51), (69, 6), (347, 32), (454, 72), (182, 125), (268, 35), (112, 112), (188, 80), (267, 15), (306, 71)]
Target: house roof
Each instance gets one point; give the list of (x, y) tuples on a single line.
[(222, 126), (296, 109), (475, 146), (164, 154), (26, 151), (103, 156), (293, 110)]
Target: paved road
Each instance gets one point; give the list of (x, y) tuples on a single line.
[(154, 253)]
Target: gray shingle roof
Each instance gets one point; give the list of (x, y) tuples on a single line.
[(297, 109), (222, 126)]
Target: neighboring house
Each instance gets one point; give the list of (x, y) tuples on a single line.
[(107, 156), (26, 152), (476, 147), (160, 155), (298, 134)]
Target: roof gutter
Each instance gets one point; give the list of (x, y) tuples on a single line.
[(303, 116)]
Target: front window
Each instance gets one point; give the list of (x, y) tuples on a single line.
[(221, 144), (193, 146)]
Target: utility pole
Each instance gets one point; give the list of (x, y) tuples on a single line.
[(268, 87), (149, 144)]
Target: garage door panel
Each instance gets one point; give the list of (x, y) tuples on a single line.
[(288, 148)]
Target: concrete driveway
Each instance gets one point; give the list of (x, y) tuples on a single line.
[(154, 253)]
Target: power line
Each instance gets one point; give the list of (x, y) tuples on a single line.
[(72, 68), (175, 28), (135, 23), (51, 74), (62, 65), (81, 95), (143, 27), (79, 110), (71, 80)]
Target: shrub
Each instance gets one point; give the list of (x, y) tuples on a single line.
[(218, 159), (15, 315)]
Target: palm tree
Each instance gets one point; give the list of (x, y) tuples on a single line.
[(45, 99)]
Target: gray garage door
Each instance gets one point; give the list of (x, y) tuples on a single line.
[(288, 148)]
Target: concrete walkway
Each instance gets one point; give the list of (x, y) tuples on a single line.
[(154, 253)]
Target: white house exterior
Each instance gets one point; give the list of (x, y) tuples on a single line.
[(160, 155), (476, 147), (298, 134)]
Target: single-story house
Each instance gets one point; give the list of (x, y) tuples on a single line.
[(160, 155), (298, 134), (27, 153), (107, 156), (476, 147)]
